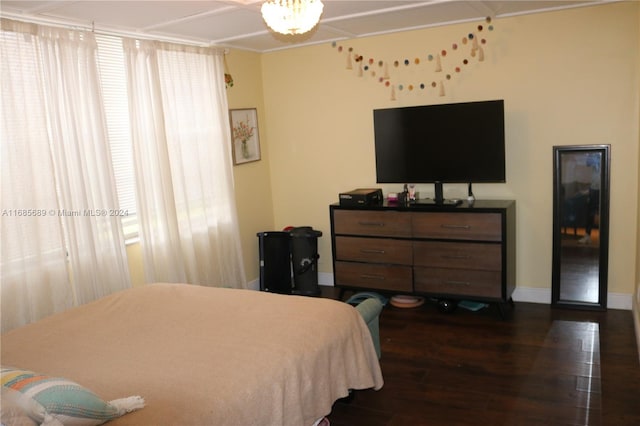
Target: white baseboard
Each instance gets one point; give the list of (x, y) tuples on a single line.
[(528, 294), (619, 301), (636, 321), (520, 294), (543, 295), (254, 284), (325, 278), (532, 295)]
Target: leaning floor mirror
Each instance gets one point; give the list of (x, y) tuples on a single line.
[(580, 226)]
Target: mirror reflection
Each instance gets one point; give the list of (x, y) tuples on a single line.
[(580, 175)]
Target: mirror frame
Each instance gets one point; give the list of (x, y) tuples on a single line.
[(603, 226)]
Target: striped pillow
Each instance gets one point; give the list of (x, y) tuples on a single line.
[(53, 400)]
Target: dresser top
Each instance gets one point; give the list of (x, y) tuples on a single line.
[(428, 205)]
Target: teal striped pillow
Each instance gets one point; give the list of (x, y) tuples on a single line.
[(63, 400)]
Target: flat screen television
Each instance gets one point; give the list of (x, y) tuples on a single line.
[(444, 143)]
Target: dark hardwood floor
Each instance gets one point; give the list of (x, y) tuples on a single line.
[(543, 366)]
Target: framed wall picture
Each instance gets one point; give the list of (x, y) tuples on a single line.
[(244, 135)]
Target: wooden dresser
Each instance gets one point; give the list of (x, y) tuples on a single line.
[(464, 252)]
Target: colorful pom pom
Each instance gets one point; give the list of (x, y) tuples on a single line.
[(368, 66)]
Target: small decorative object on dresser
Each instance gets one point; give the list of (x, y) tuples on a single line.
[(445, 252)]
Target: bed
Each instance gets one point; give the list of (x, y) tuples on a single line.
[(205, 356)]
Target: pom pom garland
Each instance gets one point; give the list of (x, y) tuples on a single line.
[(441, 57)]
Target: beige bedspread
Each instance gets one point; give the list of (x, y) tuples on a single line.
[(206, 356)]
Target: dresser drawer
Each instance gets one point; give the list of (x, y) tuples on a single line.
[(372, 222), (375, 250), (458, 282), (455, 255), (458, 226), (372, 276)]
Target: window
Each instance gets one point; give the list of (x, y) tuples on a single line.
[(113, 81), (28, 191)]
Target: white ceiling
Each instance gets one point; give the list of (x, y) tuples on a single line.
[(238, 24)]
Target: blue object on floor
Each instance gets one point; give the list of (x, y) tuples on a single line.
[(362, 296), (370, 310), (472, 306)]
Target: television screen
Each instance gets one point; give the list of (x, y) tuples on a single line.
[(454, 143)]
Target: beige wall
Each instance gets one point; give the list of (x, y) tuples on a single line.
[(254, 197), (636, 299), (136, 268), (566, 78)]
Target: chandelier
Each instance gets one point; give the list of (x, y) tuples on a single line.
[(292, 16)]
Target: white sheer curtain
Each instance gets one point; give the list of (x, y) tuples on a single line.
[(62, 244), (184, 182)]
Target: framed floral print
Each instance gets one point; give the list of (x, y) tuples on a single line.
[(244, 135)]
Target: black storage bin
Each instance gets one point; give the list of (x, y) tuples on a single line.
[(304, 258), (275, 262)]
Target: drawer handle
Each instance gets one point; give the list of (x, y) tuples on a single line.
[(372, 251), (464, 283), (455, 226), (372, 277), (363, 223)]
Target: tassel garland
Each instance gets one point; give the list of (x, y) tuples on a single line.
[(453, 63)]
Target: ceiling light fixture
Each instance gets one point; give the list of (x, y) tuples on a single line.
[(292, 16)]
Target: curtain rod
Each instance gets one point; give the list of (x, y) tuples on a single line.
[(106, 31)]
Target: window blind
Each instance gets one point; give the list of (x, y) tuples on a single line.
[(111, 67)]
